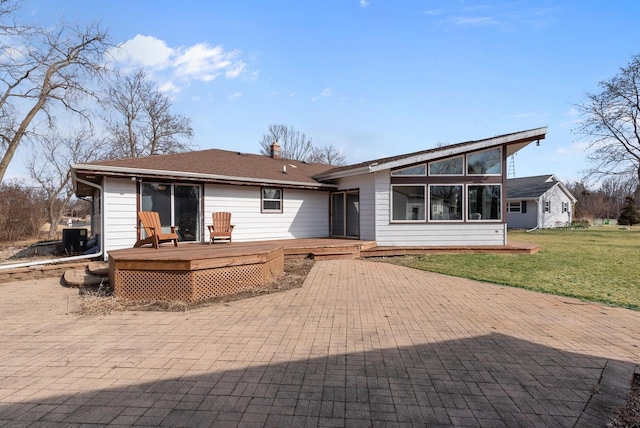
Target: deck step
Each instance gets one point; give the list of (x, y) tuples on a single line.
[(337, 255), (82, 277)]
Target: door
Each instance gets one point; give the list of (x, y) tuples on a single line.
[(345, 214), (177, 204)]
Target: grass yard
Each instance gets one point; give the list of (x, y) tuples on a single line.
[(599, 264)]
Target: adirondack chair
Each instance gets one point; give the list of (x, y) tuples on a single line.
[(153, 229), (221, 228)]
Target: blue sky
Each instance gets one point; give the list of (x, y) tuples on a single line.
[(372, 77)]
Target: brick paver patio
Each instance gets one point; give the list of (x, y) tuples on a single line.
[(360, 344)]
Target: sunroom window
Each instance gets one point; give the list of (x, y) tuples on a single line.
[(408, 203), (445, 203), (484, 202), (412, 170), (453, 166), (488, 162)]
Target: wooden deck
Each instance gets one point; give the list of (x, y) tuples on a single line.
[(195, 272)]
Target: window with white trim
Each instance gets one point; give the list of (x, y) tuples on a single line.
[(484, 202), (445, 202), (547, 206), (488, 162), (451, 166), (418, 170), (408, 203), (565, 207), (271, 200), (514, 207)]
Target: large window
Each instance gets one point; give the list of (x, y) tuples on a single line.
[(488, 162), (412, 170), (177, 205), (271, 199), (408, 203), (445, 203), (484, 202), (453, 166)]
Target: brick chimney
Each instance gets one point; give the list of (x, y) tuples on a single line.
[(275, 150)]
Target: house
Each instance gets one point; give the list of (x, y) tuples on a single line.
[(446, 196), (541, 201)]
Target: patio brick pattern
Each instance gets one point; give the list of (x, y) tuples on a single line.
[(360, 344)]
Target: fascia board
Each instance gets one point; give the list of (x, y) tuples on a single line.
[(192, 175)]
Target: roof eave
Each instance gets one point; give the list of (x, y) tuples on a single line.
[(523, 139), (132, 172)]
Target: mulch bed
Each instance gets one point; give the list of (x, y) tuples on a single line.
[(100, 300)]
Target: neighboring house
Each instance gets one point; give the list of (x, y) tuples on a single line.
[(541, 201), (446, 196)]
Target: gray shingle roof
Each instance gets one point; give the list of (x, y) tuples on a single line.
[(529, 187)]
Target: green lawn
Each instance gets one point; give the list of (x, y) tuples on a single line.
[(599, 264)]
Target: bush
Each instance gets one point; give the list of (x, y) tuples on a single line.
[(629, 214), (580, 224), (22, 212)]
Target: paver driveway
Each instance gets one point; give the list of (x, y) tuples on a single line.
[(360, 344)]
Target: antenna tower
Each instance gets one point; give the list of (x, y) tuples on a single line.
[(511, 170)]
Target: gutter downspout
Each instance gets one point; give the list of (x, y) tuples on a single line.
[(73, 258)]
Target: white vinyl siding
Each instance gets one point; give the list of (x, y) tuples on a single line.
[(119, 213), (365, 185), (305, 213), (555, 217)]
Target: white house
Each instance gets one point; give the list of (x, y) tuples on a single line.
[(446, 196), (541, 201)]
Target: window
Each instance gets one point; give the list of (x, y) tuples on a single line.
[(445, 203), (177, 205), (547, 206), (484, 202), (488, 162), (271, 200), (412, 170), (453, 166), (514, 207), (565, 207), (408, 203)]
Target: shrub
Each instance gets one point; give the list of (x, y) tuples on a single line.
[(629, 214), (22, 212)]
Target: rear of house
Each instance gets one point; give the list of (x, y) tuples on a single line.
[(446, 196)]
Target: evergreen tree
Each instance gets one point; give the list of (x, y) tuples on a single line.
[(629, 215)]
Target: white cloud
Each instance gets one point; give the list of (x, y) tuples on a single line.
[(205, 63), (143, 51), (201, 61), (573, 149), (234, 96), (326, 92), (364, 3), (168, 87)]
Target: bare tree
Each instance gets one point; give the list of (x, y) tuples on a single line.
[(328, 154), (140, 122), (41, 70), (50, 169), (293, 144), (611, 121)]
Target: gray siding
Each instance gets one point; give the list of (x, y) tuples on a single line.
[(429, 234), (365, 185), (527, 220)]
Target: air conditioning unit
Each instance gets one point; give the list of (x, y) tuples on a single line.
[(74, 240)]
